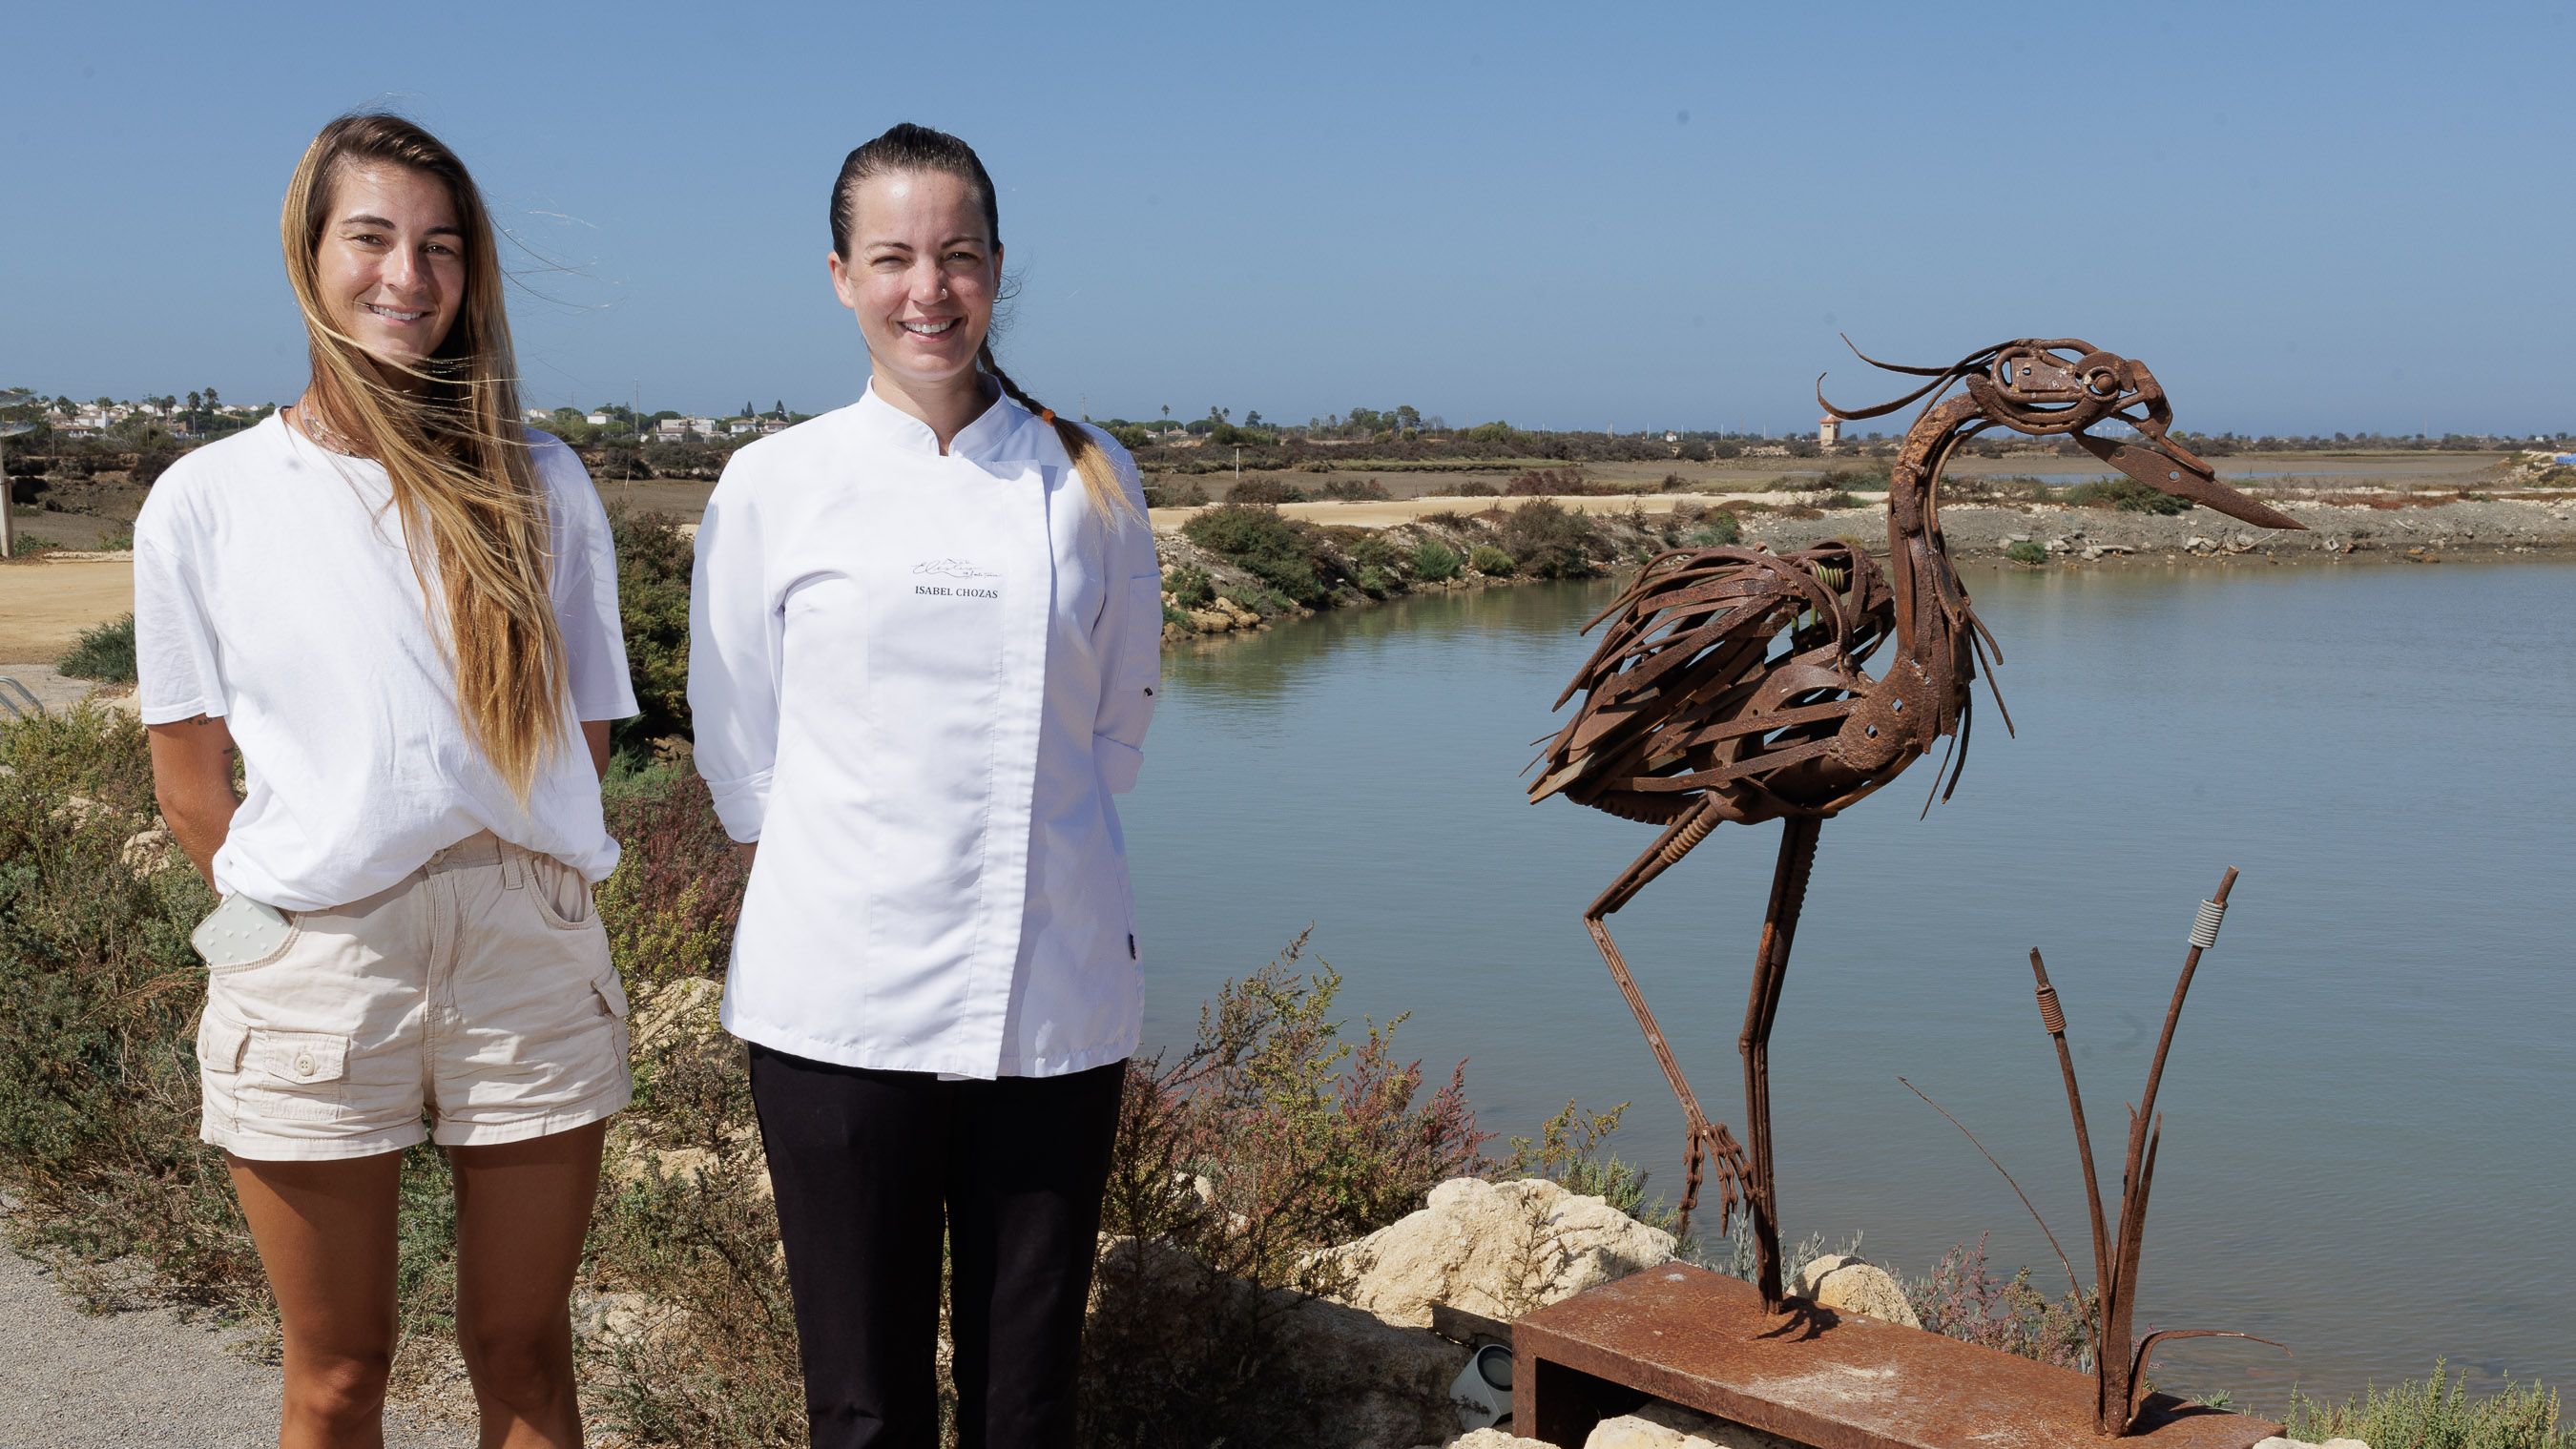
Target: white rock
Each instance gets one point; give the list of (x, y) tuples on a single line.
[(1500, 1249), (1669, 1426), (147, 851), (1853, 1285), (1490, 1439)]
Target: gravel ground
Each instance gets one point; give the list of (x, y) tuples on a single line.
[(142, 1380)]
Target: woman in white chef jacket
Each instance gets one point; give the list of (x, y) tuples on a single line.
[(924, 647)]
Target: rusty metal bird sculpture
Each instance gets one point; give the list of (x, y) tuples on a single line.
[(1729, 686)]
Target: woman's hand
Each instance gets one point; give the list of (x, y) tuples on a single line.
[(192, 778)]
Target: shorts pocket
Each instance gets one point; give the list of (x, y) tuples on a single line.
[(562, 897), (221, 1043), (301, 1075)]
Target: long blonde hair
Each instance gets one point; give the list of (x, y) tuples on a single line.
[(451, 444), (907, 147)]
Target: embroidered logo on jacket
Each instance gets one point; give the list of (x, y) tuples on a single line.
[(955, 568)]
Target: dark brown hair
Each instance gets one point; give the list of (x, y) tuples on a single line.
[(907, 147)]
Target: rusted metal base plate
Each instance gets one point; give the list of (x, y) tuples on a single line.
[(1701, 1339)]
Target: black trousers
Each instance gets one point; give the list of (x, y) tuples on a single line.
[(869, 1168)]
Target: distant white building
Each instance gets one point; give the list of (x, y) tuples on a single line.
[(1829, 431), (596, 420)]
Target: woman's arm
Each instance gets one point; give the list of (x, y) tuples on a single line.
[(733, 658), (594, 733), (1128, 636), (192, 777)]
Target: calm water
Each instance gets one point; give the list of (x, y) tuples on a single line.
[(2368, 1149)]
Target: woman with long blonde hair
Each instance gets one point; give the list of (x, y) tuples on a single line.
[(399, 608)]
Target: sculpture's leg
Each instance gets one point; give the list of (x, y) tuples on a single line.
[(1706, 1138), (1770, 968)]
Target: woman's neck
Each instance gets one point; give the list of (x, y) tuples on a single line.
[(947, 409)]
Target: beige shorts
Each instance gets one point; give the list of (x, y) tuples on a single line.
[(471, 1003)]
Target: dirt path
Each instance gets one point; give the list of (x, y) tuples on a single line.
[(47, 601), (140, 1380)]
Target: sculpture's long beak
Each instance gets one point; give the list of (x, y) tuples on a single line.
[(2169, 467)]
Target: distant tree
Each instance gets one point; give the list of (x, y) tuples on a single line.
[(104, 401), (746, 408), (1407, 417), (210, 398), (195, 399), (1252, 419), (779, 408), (1167, 412)]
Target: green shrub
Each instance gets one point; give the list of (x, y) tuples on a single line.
[(1189, 586), (1175, 614), (121, 541), (105, 653), (2437, 1414), (1160, 493), (1260, 599), (1379, 564), (1549, 540), (2126, 494), (1365, 490), (1280, 552), (1570, 1150), (1718, 528), (28, 545), (1265, 490), (1270, 1137), (98, 1077), (2024, 551), (1435, 562), (1484, 558), (653, 561)]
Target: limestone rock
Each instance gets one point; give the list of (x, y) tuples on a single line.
[(1668, 1426), (149, 850), (1489, 1439), (1499, 1249), (679, 1014), (1851, 1285)]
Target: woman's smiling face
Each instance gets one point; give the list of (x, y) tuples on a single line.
[(391, 263), (922, 275)]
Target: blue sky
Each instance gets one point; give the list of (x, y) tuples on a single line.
[(2306, 217)]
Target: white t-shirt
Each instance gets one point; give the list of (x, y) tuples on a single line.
[(917, 679), (272, 587)]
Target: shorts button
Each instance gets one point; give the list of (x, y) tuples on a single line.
[(304, 1064)]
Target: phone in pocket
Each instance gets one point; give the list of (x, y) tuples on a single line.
[(240, 931)]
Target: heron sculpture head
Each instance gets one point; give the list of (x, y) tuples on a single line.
[(2064, 386)]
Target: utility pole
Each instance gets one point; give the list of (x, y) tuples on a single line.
[(8, 525)]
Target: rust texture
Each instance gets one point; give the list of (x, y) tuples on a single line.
[(1729, 687), (1836, 1381), (2119, 1357)]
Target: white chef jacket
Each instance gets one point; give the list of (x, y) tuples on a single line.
[(917, 679)]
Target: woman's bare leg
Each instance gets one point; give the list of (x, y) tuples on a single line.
[(325, 1232), (522, 1210)]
